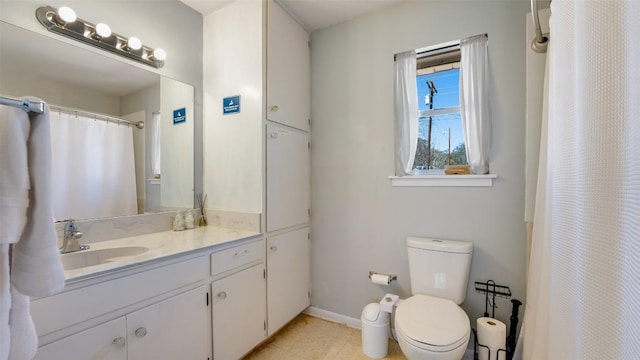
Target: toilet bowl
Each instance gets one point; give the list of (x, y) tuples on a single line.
[(431, 328)]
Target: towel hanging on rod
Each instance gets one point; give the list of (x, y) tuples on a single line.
[(24, 104)]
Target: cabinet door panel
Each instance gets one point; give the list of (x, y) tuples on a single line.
[(288, 180), (172, 329), (238, 310), (288, 278), (94, 343), (288, 70)]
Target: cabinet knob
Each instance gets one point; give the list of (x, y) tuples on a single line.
[(141, 332), (222, 295), (273, 135), (273, 248), (119, 342), (274, 108)]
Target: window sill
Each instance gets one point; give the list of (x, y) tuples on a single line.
[(444, 180)]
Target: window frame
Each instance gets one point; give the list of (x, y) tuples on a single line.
[(441, 180)]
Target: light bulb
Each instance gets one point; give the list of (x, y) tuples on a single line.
[(103, 30), (67, 14), (159, 54), (134, 43)]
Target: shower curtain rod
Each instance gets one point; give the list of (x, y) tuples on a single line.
[(540, 42), (96, 116), (38, 107), (26, 105)]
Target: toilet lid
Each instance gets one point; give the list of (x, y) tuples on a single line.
[(432, 321)]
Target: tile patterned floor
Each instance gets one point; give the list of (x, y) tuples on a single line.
[(310, 338)]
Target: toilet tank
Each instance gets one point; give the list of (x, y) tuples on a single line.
[(439, 268)]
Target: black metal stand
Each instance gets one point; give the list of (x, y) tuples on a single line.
[(492, 290), (513, 327)]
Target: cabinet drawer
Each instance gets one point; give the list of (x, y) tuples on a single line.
[(237, 256)]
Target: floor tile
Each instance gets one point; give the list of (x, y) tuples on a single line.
[(310, 338)]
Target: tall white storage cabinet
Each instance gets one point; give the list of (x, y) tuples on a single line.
[(287, 194)]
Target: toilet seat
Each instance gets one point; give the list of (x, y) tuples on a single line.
[(432, 324)]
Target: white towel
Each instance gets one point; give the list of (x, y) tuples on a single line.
[(26, 220), (36, 269)]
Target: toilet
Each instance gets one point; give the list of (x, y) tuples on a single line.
[(430, 325)]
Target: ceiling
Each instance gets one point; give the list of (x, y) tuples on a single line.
[(313, 14)]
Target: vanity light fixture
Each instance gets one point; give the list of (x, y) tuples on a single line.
[(65, 15), (102, 31), (64, 21)]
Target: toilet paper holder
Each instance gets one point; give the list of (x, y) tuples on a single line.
[(476, 344), (390, 276)]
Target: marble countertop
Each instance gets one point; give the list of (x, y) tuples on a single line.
[(161, 246)]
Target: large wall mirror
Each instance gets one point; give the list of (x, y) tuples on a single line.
[(149, 169)]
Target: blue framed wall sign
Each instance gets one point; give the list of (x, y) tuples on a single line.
[(231, 105), (179, 116)]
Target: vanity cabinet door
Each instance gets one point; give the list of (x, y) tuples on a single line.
[(176, 328), (288, 276), (238, 311), (106, 341)]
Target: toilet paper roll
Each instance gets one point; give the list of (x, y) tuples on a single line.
[(380, 279), (491, 333)]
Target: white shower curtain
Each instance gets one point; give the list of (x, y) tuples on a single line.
[(474, 101), (584, 279), (405, 108), (93, 168)]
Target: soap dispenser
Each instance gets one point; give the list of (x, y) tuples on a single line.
[(178, 222)]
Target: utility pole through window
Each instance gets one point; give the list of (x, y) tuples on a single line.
[(432, 92)]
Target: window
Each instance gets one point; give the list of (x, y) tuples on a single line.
[(440, 134), (442, 115)]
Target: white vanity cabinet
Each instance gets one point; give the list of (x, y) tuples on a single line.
[(175, 328), (106, 341), (238, 300), (238, 313)]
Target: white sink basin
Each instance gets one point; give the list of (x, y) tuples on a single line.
[(86, 258)]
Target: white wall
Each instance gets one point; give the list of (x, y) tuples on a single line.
[(176, 188), (233, 65), (359, 222)]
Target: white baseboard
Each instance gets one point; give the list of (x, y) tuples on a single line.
[(333, 317)]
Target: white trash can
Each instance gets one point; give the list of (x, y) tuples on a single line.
[(375, 331)]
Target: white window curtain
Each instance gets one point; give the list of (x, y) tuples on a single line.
[(93, 168), (474, 102), (405, 112), (582, 295)]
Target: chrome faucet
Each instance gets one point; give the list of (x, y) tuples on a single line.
[(70, 240)]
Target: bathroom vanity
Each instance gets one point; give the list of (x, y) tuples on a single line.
[(189, 295)]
